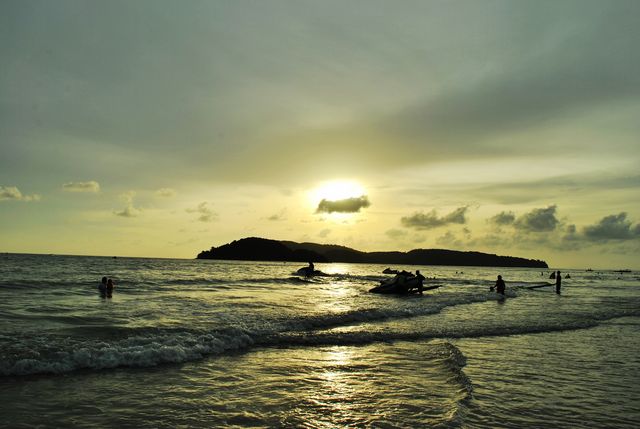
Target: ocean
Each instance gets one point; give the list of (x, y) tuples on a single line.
[(206, 344)]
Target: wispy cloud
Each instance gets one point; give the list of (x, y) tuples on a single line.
[(277, 217), (324, 233), (431, 220), (204, 212), (90, 186), (347, 205), (449, 239), (166, 192), (395, 233), (9, 193)]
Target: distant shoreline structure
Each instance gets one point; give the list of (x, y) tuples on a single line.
[(262, 249)]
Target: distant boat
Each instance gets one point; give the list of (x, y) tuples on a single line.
[(589, 269), (623, 271)]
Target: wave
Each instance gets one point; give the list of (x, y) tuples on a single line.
[(122, 346), (90, 347), (136, 351)]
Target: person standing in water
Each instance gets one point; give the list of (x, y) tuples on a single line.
[(420, 278), (109, 288), (102, 287), (558, 282), (500, 286)]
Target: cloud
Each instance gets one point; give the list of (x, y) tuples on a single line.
[(129, 210), (449, 239), (90, 186), (395, 233), (612, 227), (204, 212), (431, 220), (324, 233), (538, 220), (166, 192), (280, 216), (128, 196), (13, 193), (419, 239), (503, 218), (348, 205)]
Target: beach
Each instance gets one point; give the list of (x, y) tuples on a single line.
[(203, 343)]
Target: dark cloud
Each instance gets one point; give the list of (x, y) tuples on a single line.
[(508, 67), (348, 205), (431, 220), (503, 218), (613, 227), (538, 220)]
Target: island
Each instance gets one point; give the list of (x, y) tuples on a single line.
[(263, 249)]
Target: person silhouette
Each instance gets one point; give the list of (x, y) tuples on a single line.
[(558, 282), (500, 286), (102, 287), (109, 288), (420, 278)]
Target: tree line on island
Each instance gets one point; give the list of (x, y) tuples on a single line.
[(262, 249)]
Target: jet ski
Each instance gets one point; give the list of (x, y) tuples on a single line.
[(400, 285), (309, 272)]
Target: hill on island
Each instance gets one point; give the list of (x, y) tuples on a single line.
[(262, 249)]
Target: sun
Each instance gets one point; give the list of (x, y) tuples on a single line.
[(337, 190)]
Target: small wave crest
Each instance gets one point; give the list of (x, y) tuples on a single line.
[(136, 351)]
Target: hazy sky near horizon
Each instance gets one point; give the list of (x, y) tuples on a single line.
[(161, 128)]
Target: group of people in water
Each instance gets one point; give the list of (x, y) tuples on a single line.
[(500, 286), (406, 281), (106, 288)]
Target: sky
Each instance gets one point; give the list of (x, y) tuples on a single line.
[(162, 128)]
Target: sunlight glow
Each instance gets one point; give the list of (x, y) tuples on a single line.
[(337, 190)]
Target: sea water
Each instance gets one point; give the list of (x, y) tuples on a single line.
[(202, 344)]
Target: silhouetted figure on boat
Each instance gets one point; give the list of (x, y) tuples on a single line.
[(403, 283), (558, 282), (309, 271)]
